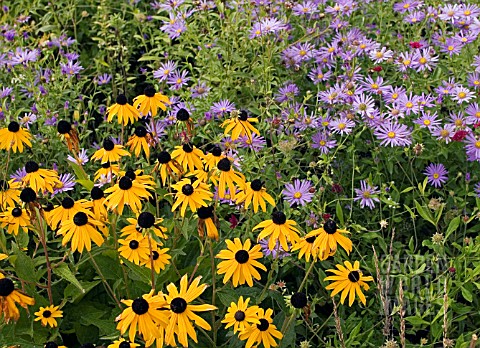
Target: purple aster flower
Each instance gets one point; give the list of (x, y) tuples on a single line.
[(342, 125), (5, 92), (157, 129), (103, 79), (306, 8), (393, 134), (222, 107), (473, 80), (451, 46), (70, 69), (71, 56), (165, 70), (462, 94), (409, 104), (277, 251), (472, 147), (477, 189), (287, 92), (424, 60), (10, 34), (19, 174), (428, 120), (200, 90), (28, 119), (322, 142), (445, 133), (380, 55), (298, 192), (473, 114), (255, 142), (52, 121), (363, 104), (436, 174), (178, 79), (414, 17), (24, 56), (317, 75), (68, 183), (449, 13), (81, 159), (367, 195)]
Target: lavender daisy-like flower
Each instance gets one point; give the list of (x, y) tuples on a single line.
[(445, 133), (367, 195), (436, 174), (70, 69), (19, 174), (68, 183), (254, 142), (200, 90), (178, 79), (322, 142), (428, 120), (477, 189), (287, 92), (103, 79), (393, 134), (28, 119), (222, 107), (165, 71), (277, 251), (472, 147), (81, 159), (298, 192)]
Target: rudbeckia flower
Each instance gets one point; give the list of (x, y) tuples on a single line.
[(126, 191), (182, 312), (212, 158), (143, 316), (135, 248), (110, 152), (66, 210), (81, 230), (167, 167), (40, 180), (15, 219), (265, 332), (125, 112), (206, 218), (240, 316), (254, 193), (278, 228), (240, 125), (68, 133), (14, 137), (240, 262), (188, 156), (327, 238), (307, 247), (108, 170), (349, 280), (194, 195), (9, 193), (122, 343), (47, 315), (150, 101), (9, 297), (145, 222), (98, 204), (140, 140), (160, 260), (228, 178)]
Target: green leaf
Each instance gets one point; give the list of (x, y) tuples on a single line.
[(416, 320), (79, 172), (339, 213), (88, 184), (25, 267), (146, 58), (73, 294), (467, 294), (452, 226), (64, 272), (424, 213), (227, 296)]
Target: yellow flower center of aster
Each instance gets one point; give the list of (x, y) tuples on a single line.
[(179, 80), (366, 194), (331, 49), (406, 6), (422, 60), (476, 82), (426, 122), (342, 125), (395, 96), (320, 76), (436, 175), (407, 62), (297, 195), (458, 122), (477, 114), (467, 12), (450, 48), (391, 135), (322, 142), (363, 46), (462, 95), (409, 105), (379, 54), (374, 86), (325, 123), (303, 52), (477, 144), (166, 72), (450, 13), (444, 133)]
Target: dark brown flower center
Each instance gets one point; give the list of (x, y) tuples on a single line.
[(64, 127), (242, 256), (133, 244), (125, 183), (140, 306), (106, 165), (155, 255), (224, 165), (299, 300), (256, 185), (68, 203), (330, 226), (13, 127), (51, 345), (263, 326), (6, 286), (187, 189), (216, 151), (183, 115), (205, 212), (354, 276), (16, 212), (187, 147), (311, 239), (279, 218), (243, 115), (178, 305), (124, 344), (47, 314), (146, 220), (164, 157), (149, 91), (80, 219), (140, 131), (96, 193), (131, 174), (28, 195), (121, 99), (108, 145), (239, 316), (31, 167)]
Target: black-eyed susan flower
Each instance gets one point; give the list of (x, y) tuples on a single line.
[(14, 137), (81, 230), (51, 344), (69, 134), (188, 156), (228, 178), (167, 167), (15, 219), (129, 192), (66, 210), (298, 300), (122, 343), (108, 170), (143, 316), (184, 116), (145, 222), (264, 333), (125, 112), (279, 229), (327, 238), (28, 195), (9, 193), (140, 140), (39, 179), (240, 125), (240, 262), (110, 152), (240, 316), (212, 158), (160, 260), (98, 204), (150, 101), (9, 296), (182, 312), (193, 195), (3, 256), (349, 280), (48, 315), (307, 247), (140, 178), (255, 194), (135, 248), (206, 221)]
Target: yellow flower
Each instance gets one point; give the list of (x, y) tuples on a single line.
[(327, 238), (206, 219), (182, 312), (40, 180), (9, 297), (136, 248), (98, 204), (167, 166), (194, 195), (48, 315), (265, 332), (140, 140), (211, 159), (240, 262), (69, 134), (240, 125), (9, 193), (81, 230), (228, 178), (126, 191), (254, 193), (145, 222), (160, 260), (125, 112), (150, 101), (122, 343), (143, 316), (188, 156), (108, 170), (240, 316), (110, 152), (307, 247), (15, 219), (14, 137), (279, 229), (67, 210), (349, 280)]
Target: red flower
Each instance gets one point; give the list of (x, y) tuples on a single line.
[(460, 135), (326, 216), (377, 68), (233, 221), (415, 44)]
